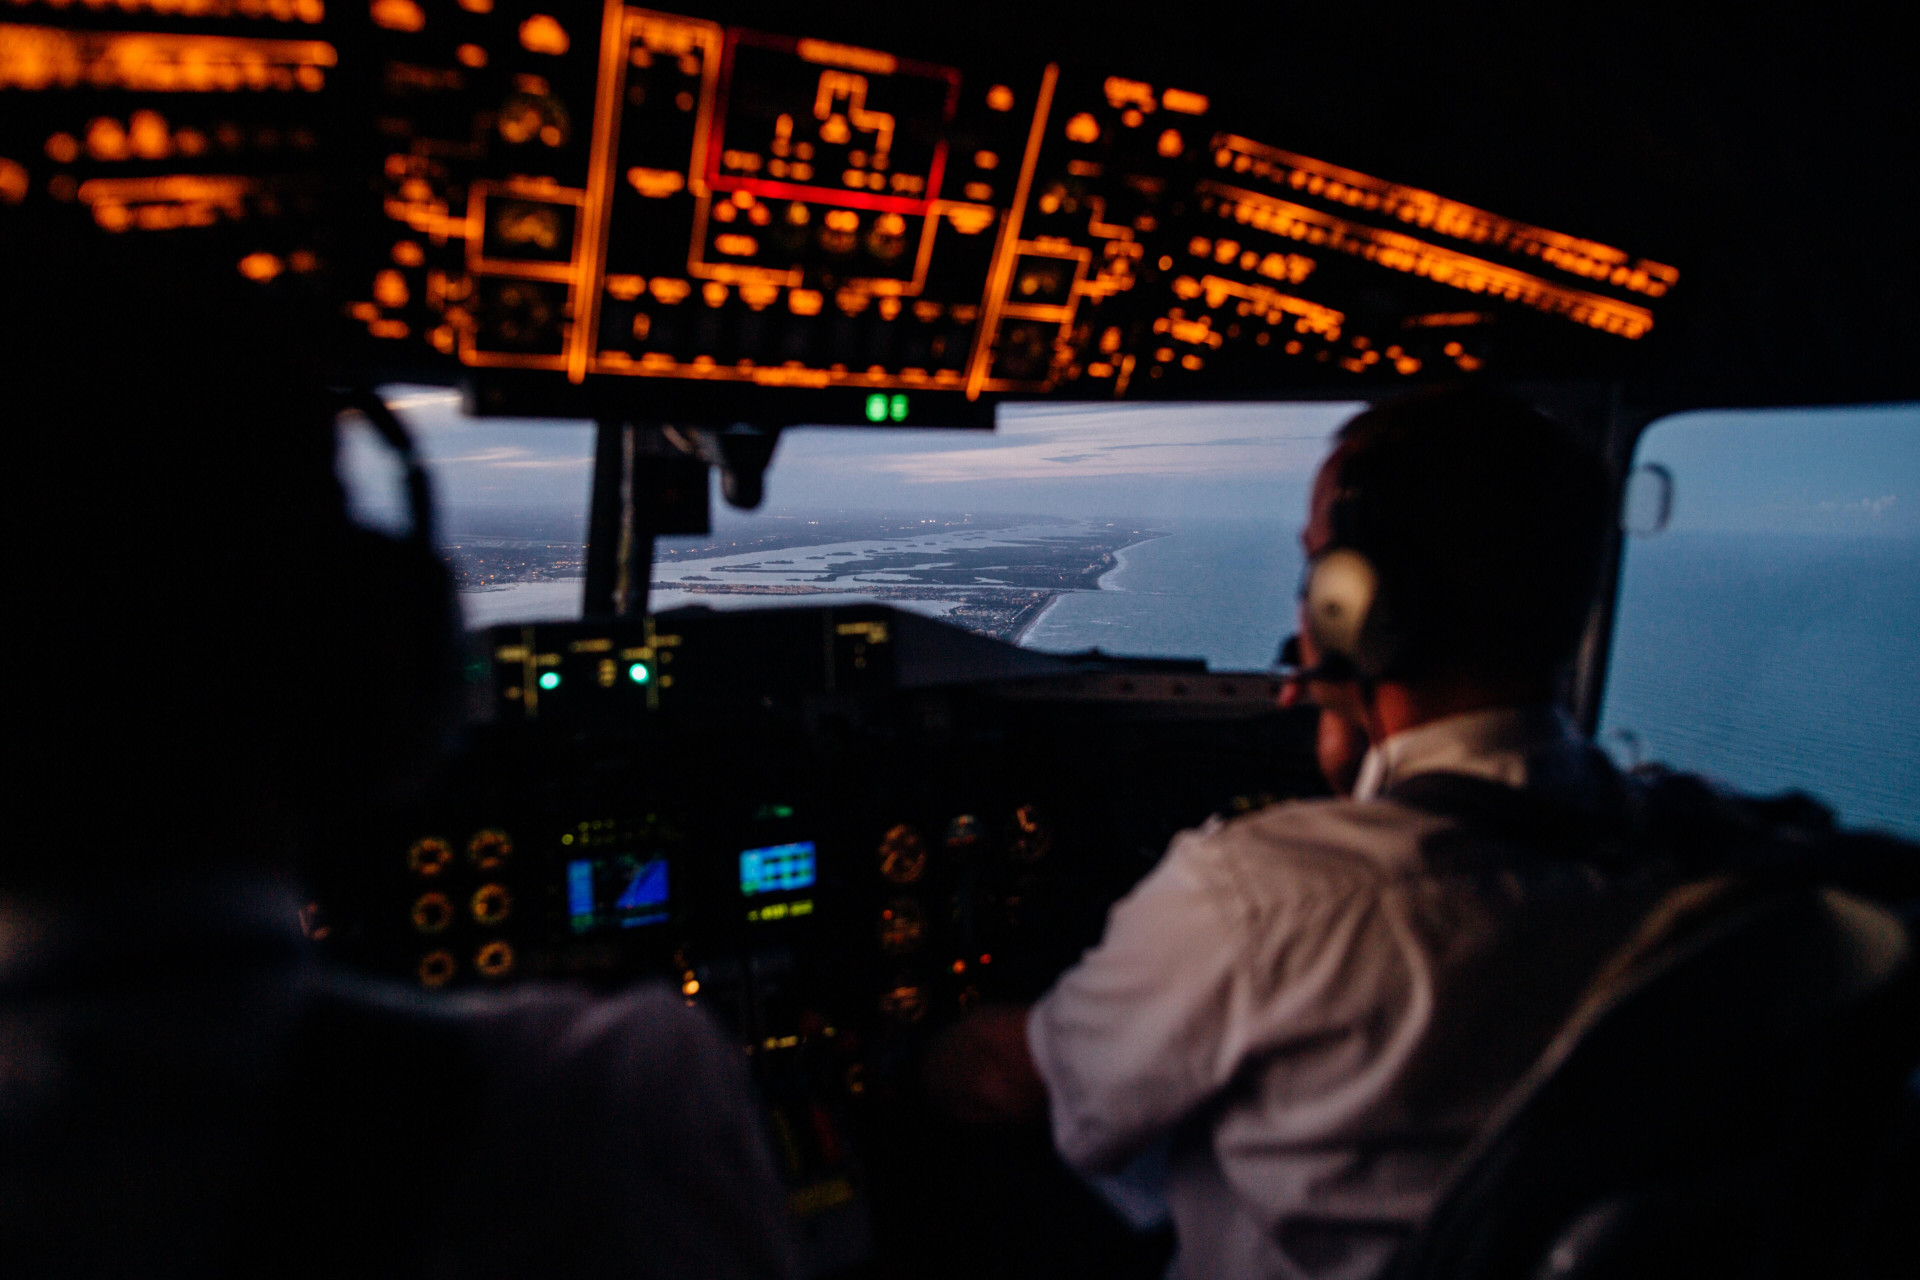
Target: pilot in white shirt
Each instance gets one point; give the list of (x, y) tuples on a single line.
[(1314, 1019), (1308, 1012)]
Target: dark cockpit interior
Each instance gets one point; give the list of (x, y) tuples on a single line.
[(839, 827)]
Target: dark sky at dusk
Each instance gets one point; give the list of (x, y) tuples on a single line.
[(1821, 471)]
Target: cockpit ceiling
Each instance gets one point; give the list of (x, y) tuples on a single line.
[(900, 220)]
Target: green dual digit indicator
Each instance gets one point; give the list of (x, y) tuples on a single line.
[(885, 408)]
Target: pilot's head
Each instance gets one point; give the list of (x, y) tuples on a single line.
[(223, 667), (1454, 543)]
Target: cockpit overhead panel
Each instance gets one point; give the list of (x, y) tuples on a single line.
[(626, 210)]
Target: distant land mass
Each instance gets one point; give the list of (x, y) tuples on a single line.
[(993, 574), (499, 547)]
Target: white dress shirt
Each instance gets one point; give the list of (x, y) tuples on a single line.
[(1313, 1018)]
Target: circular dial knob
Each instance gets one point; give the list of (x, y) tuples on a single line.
[(491, 904), (903, 855), (429, 856), (1032, 834), (436, 968), (432, 912), (490, 848), (494, 960)]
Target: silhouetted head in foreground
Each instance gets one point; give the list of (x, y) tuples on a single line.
[(224, 667)]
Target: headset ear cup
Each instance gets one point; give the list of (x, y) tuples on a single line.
[(1347, 615)]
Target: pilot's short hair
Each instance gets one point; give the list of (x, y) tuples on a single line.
[(1488, 520)]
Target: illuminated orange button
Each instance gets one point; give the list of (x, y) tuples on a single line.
[(260, 267), (398, 15), (471, 55), (1083, 128), (542, 33), (390, 289), (106, 140), (999, 98)]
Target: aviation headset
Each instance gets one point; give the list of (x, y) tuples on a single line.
[(1350, 609)]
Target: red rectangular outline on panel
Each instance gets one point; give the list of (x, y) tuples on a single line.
[(716, 143)]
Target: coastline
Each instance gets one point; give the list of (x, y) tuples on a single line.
[(1019, 637), (1099, 584), (1120, 562)]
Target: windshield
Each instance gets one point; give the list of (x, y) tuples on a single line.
[(1141, 530), (1768, 638)]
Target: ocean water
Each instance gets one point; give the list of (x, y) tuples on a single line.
[(1771, 662), (1223, 591), (1775, 662)]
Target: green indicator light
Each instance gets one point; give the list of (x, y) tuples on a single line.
[(876, 408), (551, 680), (638, 673), (897, 410)]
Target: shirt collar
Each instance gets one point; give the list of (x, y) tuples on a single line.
[(1498, 744)]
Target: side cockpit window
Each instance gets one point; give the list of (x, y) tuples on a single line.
[(1769, 636), (511, 499)]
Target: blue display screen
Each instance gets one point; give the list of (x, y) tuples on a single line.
[(580, 895), (777, 868), (644, 900), (625, 891)]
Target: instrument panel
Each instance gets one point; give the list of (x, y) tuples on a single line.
[(622, 210), (836, 853)]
